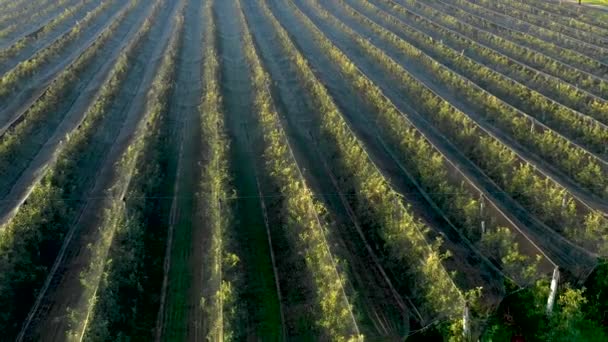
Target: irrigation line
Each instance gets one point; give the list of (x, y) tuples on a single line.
[(173, 221)]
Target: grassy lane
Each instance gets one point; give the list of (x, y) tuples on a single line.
[(262, 316), (176, 320)]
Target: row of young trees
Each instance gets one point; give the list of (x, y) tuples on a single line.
[(28, 134), (569, 320), (377, 205), (30, 242), (124, 277), (574, 58), (516, 46), (568, 12), (68, 15), (14, 80), (300, 210), (560, 91), (17, 6), (530, 104), (569, 37), (585, 28), (572, 159), (442, 181), (12, 20), (219, 291), (545, 198)]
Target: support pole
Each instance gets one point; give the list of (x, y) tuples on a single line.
[(553, 293), (466, 322)]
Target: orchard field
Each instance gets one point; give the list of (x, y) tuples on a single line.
[(303, 170)]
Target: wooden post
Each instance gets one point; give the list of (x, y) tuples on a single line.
[(553, 293)]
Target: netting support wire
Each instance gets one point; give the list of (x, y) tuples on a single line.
[(553, 293)]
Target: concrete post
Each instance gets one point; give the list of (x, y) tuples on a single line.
[(553, 293)]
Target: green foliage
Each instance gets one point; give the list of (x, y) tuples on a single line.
[(40, 120), (429, 166), (547, 20), (302, 220), (122, 295), (544, 197), (219, 292), (9, 19), (30, 241), (523, 268), (404, 236), (570, 321), (513, 46), (571, 159)]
